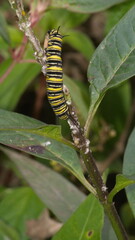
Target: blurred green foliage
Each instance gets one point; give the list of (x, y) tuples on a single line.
[(21, 90)]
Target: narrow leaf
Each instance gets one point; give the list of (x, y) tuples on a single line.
[(7, 232), (16, 82), (58, 194), (86, 223), (121, 182), (3, 30), (113, 60), (86, 6), (129, 168), (81, 43)]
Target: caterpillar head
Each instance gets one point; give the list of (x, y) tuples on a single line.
[(54, 33)]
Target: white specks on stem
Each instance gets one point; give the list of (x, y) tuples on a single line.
[(76, 141), (70, 124), (65, 90), (104, 188), (68, 103), (86, 151), (12, 2), (21, 26), (87, 143), (75, 131), (44, 58), (73, 127), (27, 24), (44, 69)]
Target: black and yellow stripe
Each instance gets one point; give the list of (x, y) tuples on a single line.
[(54, 75)]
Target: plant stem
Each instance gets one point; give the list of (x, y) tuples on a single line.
[(102, 195), (24, 24), (95, 179), (89, 121), (91, 113)]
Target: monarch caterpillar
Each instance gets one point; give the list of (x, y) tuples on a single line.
[(54, 75)]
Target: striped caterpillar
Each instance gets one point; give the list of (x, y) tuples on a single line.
[(54, 75)]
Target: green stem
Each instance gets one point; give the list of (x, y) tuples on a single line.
[(91, 113), (102, 195), (89, 121)]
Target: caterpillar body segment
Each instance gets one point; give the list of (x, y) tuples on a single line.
[(54, 75)]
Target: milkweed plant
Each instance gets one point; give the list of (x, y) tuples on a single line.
[(67, 110)]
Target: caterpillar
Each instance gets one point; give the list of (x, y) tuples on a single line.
[(54, 75)]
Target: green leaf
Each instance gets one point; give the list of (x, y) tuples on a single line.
[(67, 19), (129, 220), (58, 194), (81, 43), (86, 6), (19, 206), (121, 182), (129, 168), (115, 13), (121, 106), (113, 61), (86, 223), (7, 232), (61, 17), (16, 36), (76, 92), (36, 138), (18, 121), (16, 82), (3, 30)]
